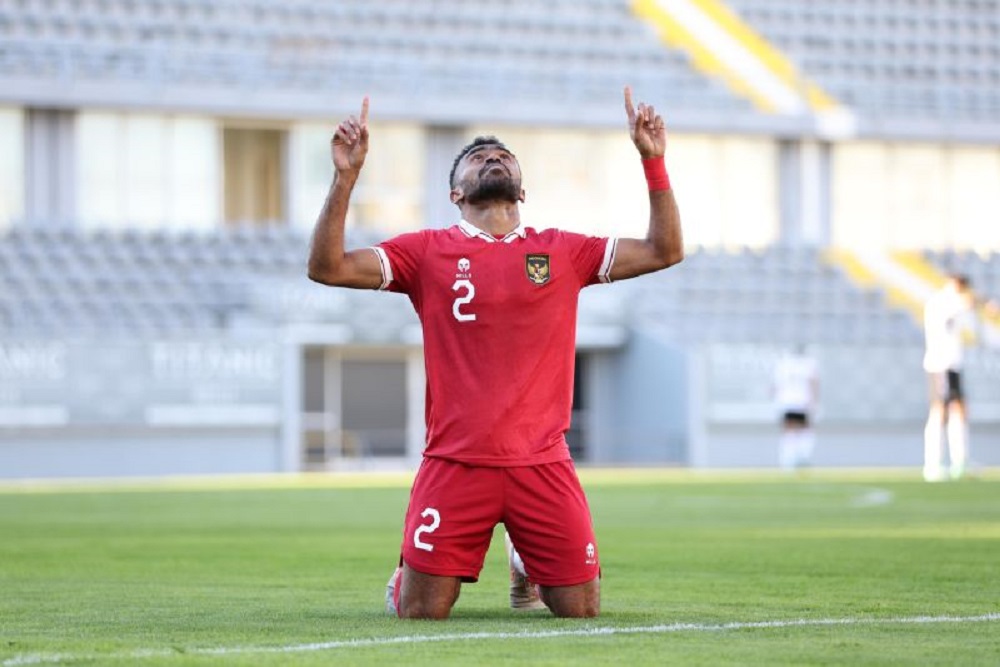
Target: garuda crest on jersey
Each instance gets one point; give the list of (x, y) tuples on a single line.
[(537, 268)]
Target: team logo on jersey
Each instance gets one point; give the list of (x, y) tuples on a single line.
[(537, 267), (591, 554), (464, 265)]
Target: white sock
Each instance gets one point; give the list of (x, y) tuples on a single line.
[(787, 445), (958, 444), (932, 445), (807, 441), (514, 557)]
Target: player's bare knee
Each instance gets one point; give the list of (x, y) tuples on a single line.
[(424, 596), (581, 603), (421, 610), (582, 609)]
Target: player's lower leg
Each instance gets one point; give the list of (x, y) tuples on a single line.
[(958, 443), (786, 450), (932, 447), (579, 601), (804, 450)]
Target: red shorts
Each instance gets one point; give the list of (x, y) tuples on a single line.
[(454, 509)]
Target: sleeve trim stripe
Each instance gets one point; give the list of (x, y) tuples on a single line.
[(383, 260), (604, 273)]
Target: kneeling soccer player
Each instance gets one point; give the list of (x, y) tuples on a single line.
[(497, 301)]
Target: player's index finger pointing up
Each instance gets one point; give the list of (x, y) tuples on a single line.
[(629, 109), (364, 111)]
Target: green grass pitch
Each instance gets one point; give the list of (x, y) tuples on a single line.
[(852, 568)]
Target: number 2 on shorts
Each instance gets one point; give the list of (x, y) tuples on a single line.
[(427, 528)]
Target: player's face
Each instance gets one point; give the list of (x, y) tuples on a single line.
[(486, 174)]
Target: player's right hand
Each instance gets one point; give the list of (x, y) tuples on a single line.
[(349, 145)]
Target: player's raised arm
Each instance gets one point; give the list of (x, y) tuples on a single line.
[(328, 262), (664, 244)]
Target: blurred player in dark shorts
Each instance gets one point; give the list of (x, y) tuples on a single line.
[(796, 392), (949, 319)]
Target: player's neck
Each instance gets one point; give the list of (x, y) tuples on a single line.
[(496, 218)]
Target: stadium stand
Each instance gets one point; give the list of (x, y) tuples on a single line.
[(68, 281), (893, 62), (63, 281), (983, 270), (674, 360), (913, 67), (306, 54), (781, 295)]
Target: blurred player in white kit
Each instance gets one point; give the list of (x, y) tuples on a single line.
[(949, 320), (796, 393)]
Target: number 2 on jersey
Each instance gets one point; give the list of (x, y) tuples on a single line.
[(462, 300), (427, 528)]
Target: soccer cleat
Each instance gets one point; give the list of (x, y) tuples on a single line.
[(523, 593), (390, 592), (934, 475)]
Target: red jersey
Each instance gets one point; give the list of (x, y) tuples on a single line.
[(499, 328)]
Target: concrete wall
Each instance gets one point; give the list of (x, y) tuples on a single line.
[(639, 403), (137, 452), (913, 195), (873, 405), (648, 402), (12, 144)]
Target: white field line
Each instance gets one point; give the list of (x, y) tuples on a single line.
[(874, 497), (56, 658)]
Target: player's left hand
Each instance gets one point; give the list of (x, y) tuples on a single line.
[(645, 127), (349, 145)]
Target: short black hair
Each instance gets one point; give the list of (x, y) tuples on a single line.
[(489, 140), (963, 280)]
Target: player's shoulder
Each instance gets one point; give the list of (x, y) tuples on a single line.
[(417, 238), (546, 233), (554, 235), (416, 234)]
